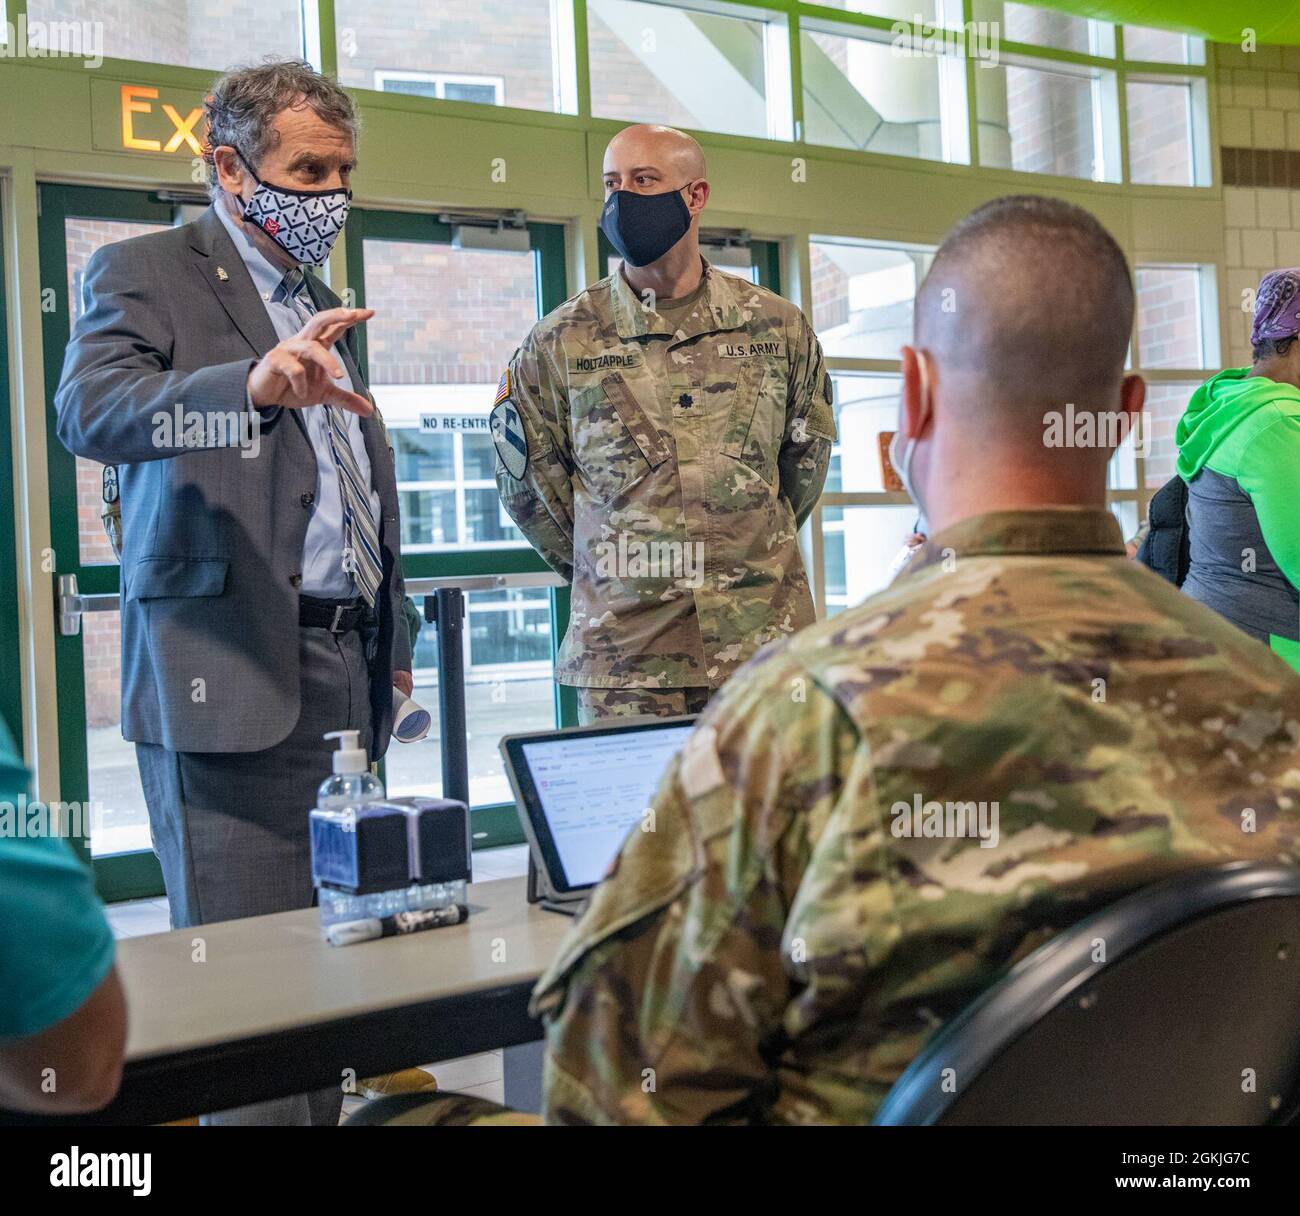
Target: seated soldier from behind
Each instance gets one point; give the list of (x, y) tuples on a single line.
[(785, 940)]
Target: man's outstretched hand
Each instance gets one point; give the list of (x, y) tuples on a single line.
[(303, 370)]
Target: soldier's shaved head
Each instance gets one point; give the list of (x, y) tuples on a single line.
[(1021, 324), (1030, 302), (648, 145)]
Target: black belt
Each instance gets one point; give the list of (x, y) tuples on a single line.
[(338, 616)]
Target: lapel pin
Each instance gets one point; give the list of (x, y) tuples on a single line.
[(222, 275)]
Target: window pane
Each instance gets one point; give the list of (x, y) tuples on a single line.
[(1121, 472), (873, 536), (483, 93), (873, 96), (688, 68), (424, 457), (1162, 46), (1160, 134), (486, 520), (515, 631), (415, 86), (446, 323), (1042, 121), (1127, 514), (1164, 407), (428, 519), (865, 406), (1028, 23), (191, 33), (862, 297), (83, 237), (508, 688), (480, 457), (119, 817), (1169, 316), (457, 49)]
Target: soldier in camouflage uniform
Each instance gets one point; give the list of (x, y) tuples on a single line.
[(876, 819), (790, 934), (661, 454)]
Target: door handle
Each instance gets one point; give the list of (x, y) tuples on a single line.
[(69, 604)]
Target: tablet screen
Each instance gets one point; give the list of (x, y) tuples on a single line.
[(593, 788)]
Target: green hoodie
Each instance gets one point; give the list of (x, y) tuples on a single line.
[(1247, 428), (1225, 417)]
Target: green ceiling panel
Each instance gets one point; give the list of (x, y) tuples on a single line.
[(1221, 20)]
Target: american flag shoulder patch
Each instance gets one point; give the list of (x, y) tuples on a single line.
[(503, 388)]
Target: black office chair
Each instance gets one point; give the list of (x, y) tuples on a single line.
[(1193, 1017)]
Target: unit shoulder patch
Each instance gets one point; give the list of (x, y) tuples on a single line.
[(509, 437)]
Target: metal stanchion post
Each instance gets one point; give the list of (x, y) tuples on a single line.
[(448, 615)]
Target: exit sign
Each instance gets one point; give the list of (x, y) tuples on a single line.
[(154, 119)]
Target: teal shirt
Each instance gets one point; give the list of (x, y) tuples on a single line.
[(55, 945)]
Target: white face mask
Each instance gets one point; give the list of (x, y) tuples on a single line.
[(304, 223), (902, 459)]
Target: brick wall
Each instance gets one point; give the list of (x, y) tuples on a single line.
[(199, 33), (1158, 149), (1259, 116), (509, 39), (830, 291), (445, 316)]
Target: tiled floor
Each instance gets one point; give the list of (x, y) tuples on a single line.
[(479, 1074)]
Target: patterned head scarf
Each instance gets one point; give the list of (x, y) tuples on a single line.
[(1277, 306)]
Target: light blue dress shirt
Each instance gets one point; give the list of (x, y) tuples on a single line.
[(323, 574)]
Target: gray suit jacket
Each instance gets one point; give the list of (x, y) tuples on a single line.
[(213, 538)]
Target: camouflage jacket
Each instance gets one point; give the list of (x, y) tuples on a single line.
[(789, 934), (666, 475)]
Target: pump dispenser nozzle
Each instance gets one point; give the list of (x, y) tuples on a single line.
[(351, 756)]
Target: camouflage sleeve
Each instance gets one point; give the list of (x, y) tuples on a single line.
[(669, 993), (540, 501), (809, 424)]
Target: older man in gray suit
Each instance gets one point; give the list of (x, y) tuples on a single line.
[(261, 582)]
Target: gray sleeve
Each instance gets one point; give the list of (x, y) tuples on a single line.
[(118, 385)]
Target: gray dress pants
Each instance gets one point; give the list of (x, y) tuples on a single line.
[(230, 829)]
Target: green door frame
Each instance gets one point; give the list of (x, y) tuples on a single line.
[(497, 824), (11, 695), (123, 875)]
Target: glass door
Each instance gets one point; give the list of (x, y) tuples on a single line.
[(96, 765), (448, 318), (453, 300)]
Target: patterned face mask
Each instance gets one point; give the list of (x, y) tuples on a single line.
[(304, 223)]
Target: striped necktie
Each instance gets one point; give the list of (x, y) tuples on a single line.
[(361, 552)]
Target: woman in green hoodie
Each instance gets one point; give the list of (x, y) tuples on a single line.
[(1239, 453)]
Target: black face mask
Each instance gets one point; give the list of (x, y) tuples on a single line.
[(643, 227)]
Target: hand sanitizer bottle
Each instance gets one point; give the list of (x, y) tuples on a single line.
[(352, 783), (341, 796)]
